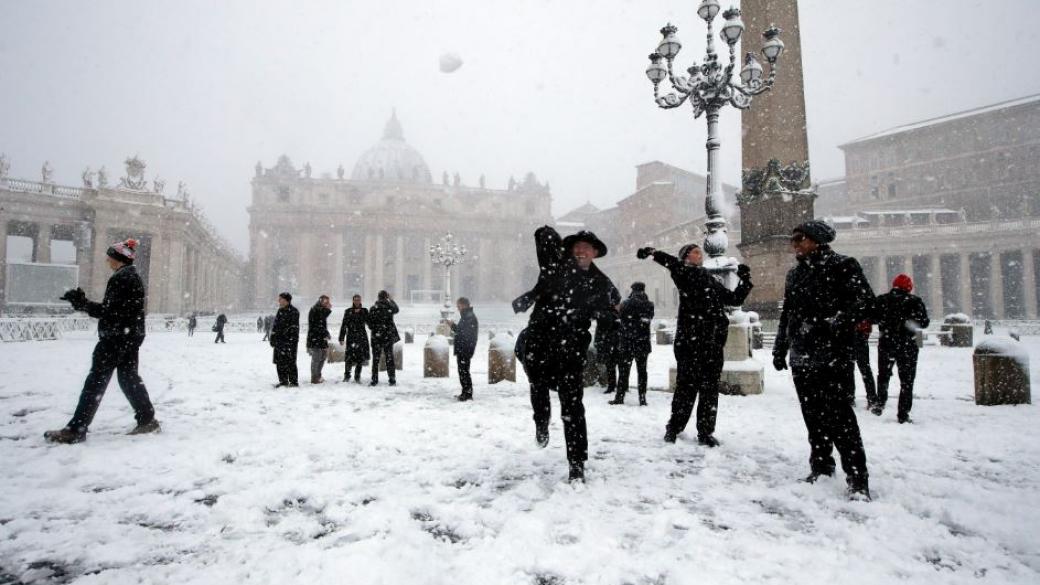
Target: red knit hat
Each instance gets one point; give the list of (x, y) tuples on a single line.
[(903, 282), (125, 251)]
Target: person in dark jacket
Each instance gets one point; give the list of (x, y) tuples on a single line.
[(825, 296), (193, 322), (899, 315), (636, 314), (318, 336), (700, 338), (465, 345), (268, 323), (353, 338), (121, 332), (384, 335), (259, 324), (861, 355), (285, 339), (219, 328), (607, 342), (571, 291)]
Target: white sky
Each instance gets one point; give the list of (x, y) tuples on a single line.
[(202, 90)]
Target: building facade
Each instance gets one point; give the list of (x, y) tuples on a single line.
[(186, 266), (373, 231)]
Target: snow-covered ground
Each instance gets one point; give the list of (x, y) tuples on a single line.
[(343, 483)]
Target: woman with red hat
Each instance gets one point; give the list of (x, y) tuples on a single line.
[(899, 315)]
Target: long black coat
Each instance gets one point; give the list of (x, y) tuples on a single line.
[(703, 324), (565, 299), (466, 333), (636, 314), (352, 335), (318, 327), (898, 314), (381, 322), (120, 314), (607, 340), (221, 321), (825, 296), (285, 334)]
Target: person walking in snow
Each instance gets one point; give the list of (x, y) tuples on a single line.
[(285, 340), (318, 336), (268, 323), (899, 315), (570, 292), (259, 324), (700, 338), (219, 328), (636, 314), (465, 332), (121, 331), (384, 336), (193, 322), (861, 355), (825, 296), (354, 340)]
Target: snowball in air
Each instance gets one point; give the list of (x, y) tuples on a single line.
[(450, 62)]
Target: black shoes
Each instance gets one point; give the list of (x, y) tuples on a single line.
[(374, 383), (708, 440), (669, 437), (577, 472), (541, 435), (904, 418), (65, 436), (815, 475), (146, 428), (858, 490), (876, 409), (464, 397), (608, 391), (642, 399), (617, 401), (392, 382)]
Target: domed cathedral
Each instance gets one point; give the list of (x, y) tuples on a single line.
[(329, 234)]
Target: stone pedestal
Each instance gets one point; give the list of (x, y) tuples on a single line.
[(436, 354), (961, 335), (741, 374), (1001, 373), (665, 337), (502, 359), (398, 358)]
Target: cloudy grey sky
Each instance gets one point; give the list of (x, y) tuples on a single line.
[(202, 90)]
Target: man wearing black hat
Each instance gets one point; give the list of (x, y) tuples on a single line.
[(637, 311), (700, 338), (825, 297), (571, 291), (285, 339), (121, 332)]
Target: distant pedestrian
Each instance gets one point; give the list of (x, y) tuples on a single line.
[(861, 355), (268, 323), (121, 331), (899, 315), (637, 311), (285, 339), (465, 345), (825, 296), (219, 328), (354, 340), (318, 336), (193, 322), (259, 324), (384, 336)]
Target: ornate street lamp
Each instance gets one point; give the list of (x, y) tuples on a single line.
[(447, 253), (708, 87)]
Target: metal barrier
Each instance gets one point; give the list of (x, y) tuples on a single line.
[(29, 329)]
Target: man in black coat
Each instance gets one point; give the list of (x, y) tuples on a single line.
[(268, 323), (826, 295), (121, 332), (700, 338), (571, 291), (318, 336), (353, 338), (384, 335), (285, 339), (219, 328), (607, 342), (465, 345), (637, 311), (193, 322), (899, 315)]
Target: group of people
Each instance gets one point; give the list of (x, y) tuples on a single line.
[(828, 304)]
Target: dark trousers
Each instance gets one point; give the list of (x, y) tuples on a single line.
[(823, 392), (861, 353), (357, 370), (696, 376), (464, 378), (119, 355), (625, 368), (386, 349), (191, 331), (317, 362), (566, 379), (905, 358), (220, 336), (287, 372)]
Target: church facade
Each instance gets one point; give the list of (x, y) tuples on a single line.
[(373, 230)]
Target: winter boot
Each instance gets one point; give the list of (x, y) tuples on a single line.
[(642, 398), (609, 390), (815, 475), (877, 409), (374, 383), (464, 397), (577, 472), (541, 435), (392, 382), (146, 428), (619, 398), (670, 436), (904, 418), (66, 436), (858, 490), (708, 440)]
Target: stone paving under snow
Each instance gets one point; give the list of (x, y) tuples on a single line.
[(343, 483)]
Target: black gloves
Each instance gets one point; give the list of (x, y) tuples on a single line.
[(744, 271), (779, 362), (76, 297), (644, 253)]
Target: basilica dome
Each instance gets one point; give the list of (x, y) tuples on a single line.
[(392, 159)]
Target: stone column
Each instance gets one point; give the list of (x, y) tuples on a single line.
[(935, 299), (966, 304), (42, 244), (370, 269), (338, 271), (881, 275), (158, 267), (996, 284), (427, 265), (399, 269), (3, 262), (379, 263), (1029, 282), (174, 276), (100, 266), (304, 261)]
